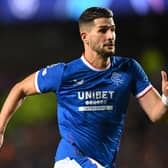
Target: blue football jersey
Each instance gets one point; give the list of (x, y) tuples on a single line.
[(92, 104)]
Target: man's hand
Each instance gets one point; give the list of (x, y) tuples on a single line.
[(1, 139), (164, 83)]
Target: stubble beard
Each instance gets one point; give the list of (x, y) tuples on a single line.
[(105, 54), (102, 51)]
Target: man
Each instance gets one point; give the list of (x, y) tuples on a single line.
[(92, 93)]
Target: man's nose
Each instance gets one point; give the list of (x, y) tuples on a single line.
[(111, 35)]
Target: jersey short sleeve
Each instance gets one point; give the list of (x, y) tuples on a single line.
[(49, 78), (141, 83)]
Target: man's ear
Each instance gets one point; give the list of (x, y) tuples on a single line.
[(84, 37)]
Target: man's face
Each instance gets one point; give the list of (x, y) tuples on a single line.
[(101, 37)]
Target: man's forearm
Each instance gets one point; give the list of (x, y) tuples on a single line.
[(13, 101)]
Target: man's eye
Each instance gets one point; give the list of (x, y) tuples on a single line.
[(102, 30), (113, 29)]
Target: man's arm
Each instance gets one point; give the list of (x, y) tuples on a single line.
[(14, 100), (152, 102)]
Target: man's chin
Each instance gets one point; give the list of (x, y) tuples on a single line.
[(109, 53)]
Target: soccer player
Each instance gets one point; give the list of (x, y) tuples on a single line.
[(93, 93)]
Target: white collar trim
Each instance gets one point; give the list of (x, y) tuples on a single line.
[(92, 67)]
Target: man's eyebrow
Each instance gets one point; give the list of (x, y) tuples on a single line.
[(107, 26)]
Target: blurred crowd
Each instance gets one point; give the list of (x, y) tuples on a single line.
[(29, 147)]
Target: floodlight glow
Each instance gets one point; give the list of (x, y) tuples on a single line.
[(140, 6), (75, 7), (157, 5), (23, 9)]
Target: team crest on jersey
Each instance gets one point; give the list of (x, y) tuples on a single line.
[(116, 78)]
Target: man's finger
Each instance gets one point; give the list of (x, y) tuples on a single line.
[(164, 81), (1, 140), (164, 76)]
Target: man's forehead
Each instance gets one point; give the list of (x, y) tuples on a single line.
[(101, 22)]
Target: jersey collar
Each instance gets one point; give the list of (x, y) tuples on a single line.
[(92, 67)]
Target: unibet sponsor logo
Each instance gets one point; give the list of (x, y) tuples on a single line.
[(103, 95)]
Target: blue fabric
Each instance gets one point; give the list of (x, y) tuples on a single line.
[(92, 104)]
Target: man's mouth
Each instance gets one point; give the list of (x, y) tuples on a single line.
[(109, 45)]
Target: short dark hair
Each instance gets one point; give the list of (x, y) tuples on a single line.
[(93, 13)]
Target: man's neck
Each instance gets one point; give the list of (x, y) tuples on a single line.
[(96, 60)]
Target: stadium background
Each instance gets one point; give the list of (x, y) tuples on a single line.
[(36, 33)]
